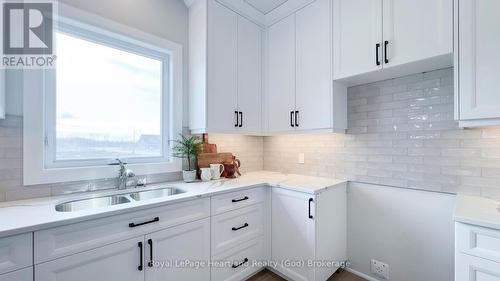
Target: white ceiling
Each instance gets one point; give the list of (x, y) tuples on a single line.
[(265, 6), (262, 12)]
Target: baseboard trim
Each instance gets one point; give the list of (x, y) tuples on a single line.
[(362, 275)]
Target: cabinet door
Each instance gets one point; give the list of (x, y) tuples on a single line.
[(118, 261), (20, 275), (293, 235), (222, 68), (16, 252), (479, 59), (249, 75), (314, 79), (188, 242), (357, 29), (417, 30), (469, 268), (281, 75)]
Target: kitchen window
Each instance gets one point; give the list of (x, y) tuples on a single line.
[(108, 103), (110, 96)]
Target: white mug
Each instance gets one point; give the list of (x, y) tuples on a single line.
[(206, 174), (216, 171)]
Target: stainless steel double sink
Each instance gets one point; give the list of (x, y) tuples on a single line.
[(106, 201)]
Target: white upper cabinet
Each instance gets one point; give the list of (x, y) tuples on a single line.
[(281, 75), (225, 70), (357, 37), (477, 61), (222, 67), (380, 39), (249, 76), (417, 30), (299, 94), (314, 67)]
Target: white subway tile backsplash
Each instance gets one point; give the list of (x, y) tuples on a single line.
[(401, 133)]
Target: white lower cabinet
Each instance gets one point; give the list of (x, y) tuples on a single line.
[(293, 232), (245, 230), (171, 249), (307, 229), (477, 253), (19, 275), (118, 261), (16, 252), (238, 228), (469, 268), (240, 262), (179, 253)]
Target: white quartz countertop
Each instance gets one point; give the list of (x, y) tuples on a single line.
[(35, 214), (477, 211)]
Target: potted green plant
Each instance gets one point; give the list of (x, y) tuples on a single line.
[(187, 148)]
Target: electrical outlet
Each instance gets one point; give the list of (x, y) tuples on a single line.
[(380, 269), (301, 159)]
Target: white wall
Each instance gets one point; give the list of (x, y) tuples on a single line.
[(410, 230)]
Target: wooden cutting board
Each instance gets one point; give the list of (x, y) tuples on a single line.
[(205, 159)]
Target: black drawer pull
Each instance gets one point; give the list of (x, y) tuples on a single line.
[(140, 267), (239, 200), (241, 119), (150, 243), (156, 219), (386, 59), (377, 60), (240, 227), (237, 120), (296, 118), (291, 119), (240, 264), (310, 201)]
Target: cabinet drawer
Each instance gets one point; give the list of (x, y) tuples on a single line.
[(225, 266), (478, 241), (233, 228), (118, 261), (70, 239), (20, 275), (16, 252), (235, 200), (469, 268)]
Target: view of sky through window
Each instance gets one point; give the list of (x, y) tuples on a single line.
[(108, 102)]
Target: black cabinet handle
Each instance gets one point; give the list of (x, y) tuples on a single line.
[(140, 267), (291, 119), (310, 201), (296, 118), (240, 264), (156, 219), (240, 227), (385, 51), (377, 49), (239, 200), (237, 120), (150, 243), (241, 119)]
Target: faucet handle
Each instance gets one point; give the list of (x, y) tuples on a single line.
[(118, 163)]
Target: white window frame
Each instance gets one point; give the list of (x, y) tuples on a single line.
[(39, 92), (3, 89)]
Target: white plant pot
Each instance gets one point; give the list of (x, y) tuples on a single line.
[(189, 176)]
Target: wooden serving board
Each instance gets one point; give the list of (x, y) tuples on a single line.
[(205, 159)]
